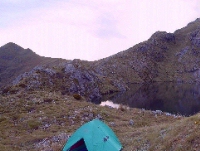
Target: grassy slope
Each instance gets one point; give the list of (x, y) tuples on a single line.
[(29, 121)]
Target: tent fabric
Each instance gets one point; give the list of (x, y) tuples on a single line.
[(96, 136)]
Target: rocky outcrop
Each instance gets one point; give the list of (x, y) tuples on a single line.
[(69, 78), (15, 60), (163, 57), (82, 81), (195, 37)]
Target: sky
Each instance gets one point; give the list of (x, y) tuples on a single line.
[(89, 29)]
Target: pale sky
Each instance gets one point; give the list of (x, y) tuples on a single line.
[(89, 29)]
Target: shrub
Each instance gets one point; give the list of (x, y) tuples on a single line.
[(15, 117), (22, 85), (13, 91), (77, 96), (122, 108), (48, 100), (76, 81), (29, 108), (6, 90), (2, 119), (34, 125)]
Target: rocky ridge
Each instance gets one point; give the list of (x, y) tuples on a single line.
[(15, 60), (163, 57)]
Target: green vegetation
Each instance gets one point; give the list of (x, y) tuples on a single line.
[(40, 109), (33, 125), (31, 122)]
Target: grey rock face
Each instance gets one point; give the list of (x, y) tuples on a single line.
[(144, 48), (162, 36), (69, 68), (120, 85), (35, 76), (182, 53), (131, 122), (195, 37), (83, 82), (169, 37)]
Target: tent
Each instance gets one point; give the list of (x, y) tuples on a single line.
[(93, 136)]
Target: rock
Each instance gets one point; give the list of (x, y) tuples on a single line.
[(112, 124), (143, 48), (46, 126), (169, 37), (168, 114), (91, 115), (83, 82), (120, 85), (47, 144), (195, 37), (34, 77), (182, 53), (95, 96), (158, 112), (69, 68), (131, 122), (49, 71), (99, 117)]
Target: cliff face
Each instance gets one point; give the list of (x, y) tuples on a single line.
[(163, 57)]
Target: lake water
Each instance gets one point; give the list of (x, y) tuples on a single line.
[(176, 98)]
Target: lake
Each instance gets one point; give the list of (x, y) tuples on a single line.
[(175, 98)]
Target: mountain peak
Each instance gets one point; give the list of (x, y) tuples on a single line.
[(197, 20), (13, 46)]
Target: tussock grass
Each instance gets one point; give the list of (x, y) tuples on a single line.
[(23, 128)]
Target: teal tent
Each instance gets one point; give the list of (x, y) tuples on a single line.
[(93, 136)]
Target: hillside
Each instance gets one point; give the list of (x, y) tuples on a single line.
[(44, 121), (163, 57), (15, 60), (44, 100)]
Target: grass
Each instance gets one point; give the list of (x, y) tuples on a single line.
[(34, 119), (23, 128)]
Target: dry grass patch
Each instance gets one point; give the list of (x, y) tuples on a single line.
[(22, 128)]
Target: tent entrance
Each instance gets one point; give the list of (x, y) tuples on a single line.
[(79, 146)]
